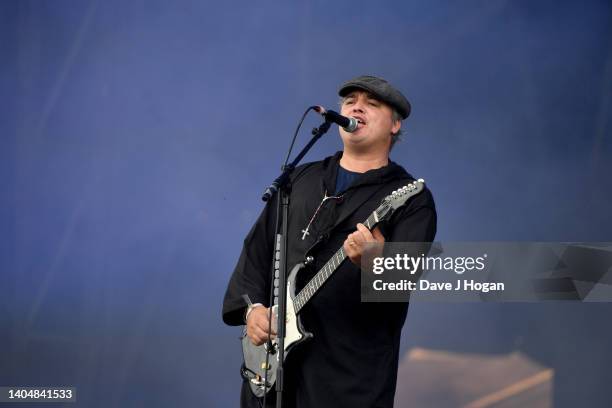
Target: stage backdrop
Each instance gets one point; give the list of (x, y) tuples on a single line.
[(137, 137)]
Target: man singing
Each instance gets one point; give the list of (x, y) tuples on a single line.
[(352, 359)]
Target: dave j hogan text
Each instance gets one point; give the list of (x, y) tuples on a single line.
[(465, 285)]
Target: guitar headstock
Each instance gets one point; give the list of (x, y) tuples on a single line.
[(398, 198)]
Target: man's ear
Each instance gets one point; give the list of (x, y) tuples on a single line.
[(397, 125)]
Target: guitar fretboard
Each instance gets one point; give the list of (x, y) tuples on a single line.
[(389, 204), (327, 270)]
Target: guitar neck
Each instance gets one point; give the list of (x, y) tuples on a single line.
[(327, 270)]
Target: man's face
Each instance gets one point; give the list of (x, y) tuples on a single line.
[(375, 122)]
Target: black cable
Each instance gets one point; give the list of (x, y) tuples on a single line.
[(296, 132)]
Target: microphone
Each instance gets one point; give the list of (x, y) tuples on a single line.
[(347, 123)]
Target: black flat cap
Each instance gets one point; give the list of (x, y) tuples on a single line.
[(381, 89)]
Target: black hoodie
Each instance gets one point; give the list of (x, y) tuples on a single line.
[(352, 359)]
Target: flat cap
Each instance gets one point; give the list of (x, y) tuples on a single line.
[(381, 89)]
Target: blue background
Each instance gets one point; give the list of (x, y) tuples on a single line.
[(137, 137)]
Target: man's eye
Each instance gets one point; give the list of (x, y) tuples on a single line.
[(373, 103)]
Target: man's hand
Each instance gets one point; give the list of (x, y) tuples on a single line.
[(355, 243), (257, 325)]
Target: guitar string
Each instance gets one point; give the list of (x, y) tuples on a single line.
[(324, 273)]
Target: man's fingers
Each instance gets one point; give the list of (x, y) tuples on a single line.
[(348, 247), (258, 324), (378, 236), (364, 233), (264, 324), (257, 339), (258, 336), (260, 333), (355, 242)]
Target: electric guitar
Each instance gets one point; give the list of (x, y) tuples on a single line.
[(260, 362)]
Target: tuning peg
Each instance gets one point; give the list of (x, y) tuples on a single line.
[(421, 180)]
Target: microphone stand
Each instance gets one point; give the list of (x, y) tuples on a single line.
[(282, 186)]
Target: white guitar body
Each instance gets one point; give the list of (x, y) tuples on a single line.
[(255, 356)]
